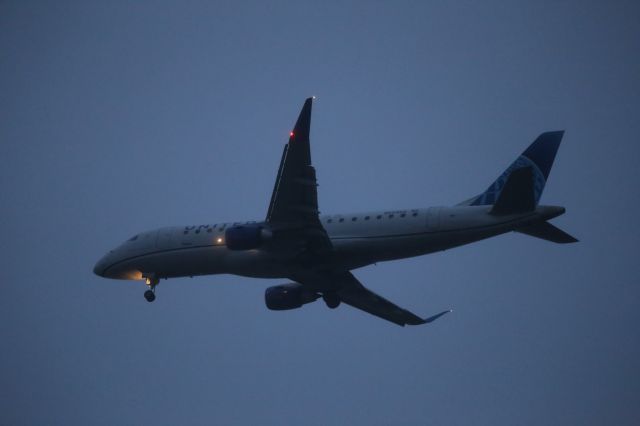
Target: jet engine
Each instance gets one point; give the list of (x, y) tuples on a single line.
[(288, 296), (246, 237)]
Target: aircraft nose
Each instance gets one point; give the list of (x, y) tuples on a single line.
[(100, 267)]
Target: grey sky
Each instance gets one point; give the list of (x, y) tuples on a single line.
[(120, 117)]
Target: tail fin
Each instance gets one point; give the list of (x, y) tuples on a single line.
[(538, 157), (517, 195)]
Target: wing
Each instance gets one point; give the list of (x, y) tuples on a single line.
[(352, 292), (294, 202)]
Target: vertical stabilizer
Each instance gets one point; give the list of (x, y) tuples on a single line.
[(517, 193), (538, 156)]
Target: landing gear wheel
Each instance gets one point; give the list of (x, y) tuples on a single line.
[(151, 282), (331, 299)]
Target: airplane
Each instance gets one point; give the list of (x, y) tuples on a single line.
[(318, 252)]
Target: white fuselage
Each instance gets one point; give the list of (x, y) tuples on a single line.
[(357, 240)]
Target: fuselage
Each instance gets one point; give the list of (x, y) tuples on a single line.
[(357, 240)]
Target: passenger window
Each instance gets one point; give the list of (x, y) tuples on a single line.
[(390, 216), (415, 214), (135, 237), (402, 215), (353, 219), (366, 218), (341, 219), (329, 220), (379, 217)]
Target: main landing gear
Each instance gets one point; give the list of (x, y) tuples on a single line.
[(331, 299), (150, 294)]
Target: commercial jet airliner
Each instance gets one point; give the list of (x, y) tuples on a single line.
[(317, 253)]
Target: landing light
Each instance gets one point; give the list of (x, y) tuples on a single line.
[(219, 240), (133, 275)]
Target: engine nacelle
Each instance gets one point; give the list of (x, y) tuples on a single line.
[(288, 296), (246, 237)]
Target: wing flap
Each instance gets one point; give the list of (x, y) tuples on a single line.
[(364, 299), (353, 293)]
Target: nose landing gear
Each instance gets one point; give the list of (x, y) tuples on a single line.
[(150, 294)]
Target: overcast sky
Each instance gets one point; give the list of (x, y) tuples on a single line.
[(119, 117)]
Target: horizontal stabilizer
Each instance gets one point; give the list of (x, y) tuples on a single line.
[(547, 231), (517, 195)]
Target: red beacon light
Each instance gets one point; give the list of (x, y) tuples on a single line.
[(290, 134)]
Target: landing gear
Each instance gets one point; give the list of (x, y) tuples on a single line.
[(150, 294), (331, 299)]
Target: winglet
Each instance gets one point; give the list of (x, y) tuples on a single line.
[(436, 316), (294, 198), (301, 129)]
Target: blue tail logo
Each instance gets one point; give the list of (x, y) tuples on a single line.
[(539, 156)]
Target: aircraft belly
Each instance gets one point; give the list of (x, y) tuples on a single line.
[(255, 263), (184, 261), (357, 252)]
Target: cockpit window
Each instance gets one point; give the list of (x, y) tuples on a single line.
[(135, 237)]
